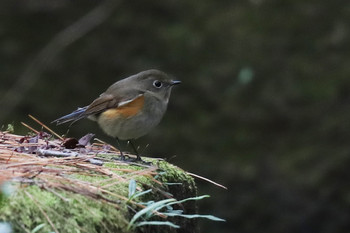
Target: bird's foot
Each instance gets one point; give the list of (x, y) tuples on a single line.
[(138, 160)]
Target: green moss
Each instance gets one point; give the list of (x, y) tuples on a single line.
[(74, 214), (69, 212), (171, 174)]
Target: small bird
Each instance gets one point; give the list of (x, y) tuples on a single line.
[(129, 108)]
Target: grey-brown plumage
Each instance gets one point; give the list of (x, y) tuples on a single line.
[(129, 108)]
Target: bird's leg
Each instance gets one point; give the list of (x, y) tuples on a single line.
[(138, 158), (120, 149)]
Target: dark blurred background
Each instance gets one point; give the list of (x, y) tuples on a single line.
[(264, 107)]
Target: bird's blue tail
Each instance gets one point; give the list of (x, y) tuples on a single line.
[(71, 117)]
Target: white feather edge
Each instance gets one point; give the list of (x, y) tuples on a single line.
[(122, 103)]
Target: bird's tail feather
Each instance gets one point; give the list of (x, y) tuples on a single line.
[(72, 117)]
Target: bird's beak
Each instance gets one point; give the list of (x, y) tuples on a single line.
[(174, 82)]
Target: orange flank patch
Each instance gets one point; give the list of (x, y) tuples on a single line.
[(127, 110)]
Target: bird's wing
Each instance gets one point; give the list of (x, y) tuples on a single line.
[(108, 101), (124, 100)]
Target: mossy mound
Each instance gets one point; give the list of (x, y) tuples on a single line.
[(77, 196)]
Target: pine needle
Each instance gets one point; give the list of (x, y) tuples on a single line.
[(35, 131), (206, 179), (47, 128)]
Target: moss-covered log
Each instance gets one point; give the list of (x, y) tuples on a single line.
[(72, 195)]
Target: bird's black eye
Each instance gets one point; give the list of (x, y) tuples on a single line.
[(157, 84)]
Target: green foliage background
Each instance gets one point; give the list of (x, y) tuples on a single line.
[(263, 109)]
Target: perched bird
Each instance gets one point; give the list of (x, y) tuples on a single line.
[(129, 108)]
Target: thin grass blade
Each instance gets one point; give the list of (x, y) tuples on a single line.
[(149, 208), (210, 217), (158, 223)]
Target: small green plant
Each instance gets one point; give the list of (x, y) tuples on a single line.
[(132, 191), (163, 207), (10, 128)]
